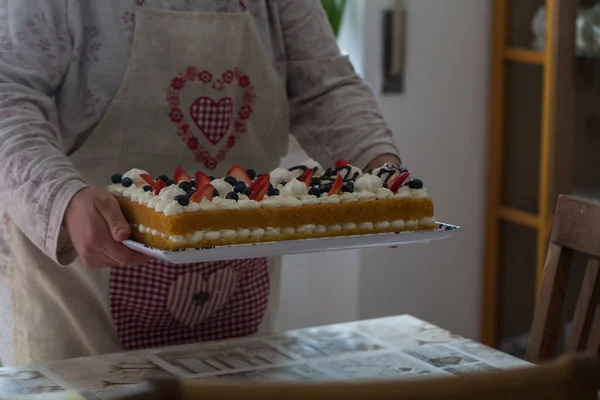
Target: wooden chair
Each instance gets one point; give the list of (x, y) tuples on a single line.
[(565, 379), (576, 227)]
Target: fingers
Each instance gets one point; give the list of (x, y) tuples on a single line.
[(111, 213), (97, 227), (124, 257)]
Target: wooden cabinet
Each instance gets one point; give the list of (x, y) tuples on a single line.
[(544, 139)]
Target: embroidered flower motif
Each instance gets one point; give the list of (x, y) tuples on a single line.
[(192, 142), (191, 73), (249, 97), (218, 85), (245, 112), (210, 164), (205, 76), (240, 126), (178, 83), (231, 141), (173, 101), (228, 77), (176, 115), (244, 81)]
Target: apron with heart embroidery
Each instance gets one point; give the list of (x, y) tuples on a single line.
[(200, 92)]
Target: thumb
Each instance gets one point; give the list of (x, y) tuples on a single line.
[(116, 222)]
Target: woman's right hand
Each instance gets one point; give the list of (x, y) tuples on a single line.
[(97, 229)]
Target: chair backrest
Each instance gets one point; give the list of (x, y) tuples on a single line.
[(576, 227), (561, 380)]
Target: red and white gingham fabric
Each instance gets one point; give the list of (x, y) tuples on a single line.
[(213, 118), (160, 304)]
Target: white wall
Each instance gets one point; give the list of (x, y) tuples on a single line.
[(440, 123)]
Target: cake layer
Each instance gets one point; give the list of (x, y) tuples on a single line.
[(406, 209), (157, 241)]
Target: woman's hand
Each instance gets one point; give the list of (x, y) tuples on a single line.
[(97, 229), (383, 159)]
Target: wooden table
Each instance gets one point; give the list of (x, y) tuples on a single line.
[(389, 348)]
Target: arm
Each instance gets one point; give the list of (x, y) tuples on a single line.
[(333, 112), (37, 180)]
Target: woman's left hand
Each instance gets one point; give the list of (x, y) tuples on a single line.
[(383, 159)]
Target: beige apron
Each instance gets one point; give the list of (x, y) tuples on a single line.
[(199, 92)]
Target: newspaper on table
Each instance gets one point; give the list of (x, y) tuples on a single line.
[(347, 352)]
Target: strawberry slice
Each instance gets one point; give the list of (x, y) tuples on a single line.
[(260, 187), (307, 177), (201, 179), (337, 186), (260, 181), (341, 163), (260, 192), (240, 174), (181, 176), (149, 181), (207, 191), (398, 182), (160, 185)]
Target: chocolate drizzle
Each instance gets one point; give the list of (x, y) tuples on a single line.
[(348, 177), (389, 173), (302, 168)]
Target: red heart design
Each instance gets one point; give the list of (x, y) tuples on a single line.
[(212, 118), (215, 119)]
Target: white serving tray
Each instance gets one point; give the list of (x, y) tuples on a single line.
[(270, 249)]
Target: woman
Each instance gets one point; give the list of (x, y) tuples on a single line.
[(90, 88)]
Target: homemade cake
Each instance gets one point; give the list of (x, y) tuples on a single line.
[(302, 202)]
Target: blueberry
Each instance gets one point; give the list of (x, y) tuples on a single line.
[(163, 178), (212, 178), (351, 183), (182, 199), (251, 173), (315, 182), (231, 180), (169, 182), (347, 188), (246, 192), (385, 185), (127, 182), (216, 193), (326, 188), (190, 193), (147, 188), (313, 191), (415, 184), (116, 178), (270, 186), (185, 186), (232, 196), (239, 187), (193, 183), (273, 192)]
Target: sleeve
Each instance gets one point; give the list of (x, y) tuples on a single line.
[(37, 180), (333, 112)]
